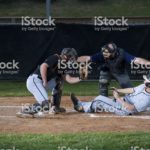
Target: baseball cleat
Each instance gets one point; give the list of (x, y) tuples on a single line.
[(78, 107), (56, 110), (74, 99), (24, 115)]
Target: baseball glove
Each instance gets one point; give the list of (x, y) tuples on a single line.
[(83, 72)]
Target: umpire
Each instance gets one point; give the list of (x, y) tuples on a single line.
[(113, 61)]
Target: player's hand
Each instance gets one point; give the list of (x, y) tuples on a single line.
[(115, 94), (45, 83), (113, 89)]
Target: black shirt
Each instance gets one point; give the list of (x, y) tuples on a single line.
[(52, 71)]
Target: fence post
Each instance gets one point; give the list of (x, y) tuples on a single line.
[(48, 8)]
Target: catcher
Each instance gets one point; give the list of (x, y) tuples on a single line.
[(47, 77), (136, 100)]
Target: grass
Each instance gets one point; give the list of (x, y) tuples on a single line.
[(13, 88), (92, 141), (76, 8), (78, 141)]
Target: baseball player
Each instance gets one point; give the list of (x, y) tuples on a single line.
[(136, 100), (47, 77), (113, 62)]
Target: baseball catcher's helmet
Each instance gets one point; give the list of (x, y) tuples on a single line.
[(111, 49), (71, 53)]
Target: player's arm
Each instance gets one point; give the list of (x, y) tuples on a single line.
[(43, 71), (124, 91), (141, 61), (96, 58), (128, 106), (136, 60), (72, 80)]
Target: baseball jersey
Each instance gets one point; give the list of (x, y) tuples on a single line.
[(52, 71), (139, 98), (99, 58)]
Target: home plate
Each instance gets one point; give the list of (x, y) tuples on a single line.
[(112, 116)]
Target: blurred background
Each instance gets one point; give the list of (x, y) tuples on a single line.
[(75, 8)]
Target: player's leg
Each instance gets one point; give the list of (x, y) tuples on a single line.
[(56, 86), (105, 104), (124, 80), (35, 86), (79, 105)]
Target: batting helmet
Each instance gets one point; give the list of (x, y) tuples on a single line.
[(71, 53)]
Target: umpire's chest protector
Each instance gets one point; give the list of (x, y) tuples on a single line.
[(117, 64)]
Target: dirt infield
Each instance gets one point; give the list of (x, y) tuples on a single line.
[(70, 122)]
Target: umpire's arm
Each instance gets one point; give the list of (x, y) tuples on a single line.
[(141, 61)]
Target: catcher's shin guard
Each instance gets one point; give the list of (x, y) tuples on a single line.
[(56, 98), (55, 102), (45, 106), (104, 83)]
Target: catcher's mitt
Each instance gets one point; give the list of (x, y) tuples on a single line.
[(83, 72)]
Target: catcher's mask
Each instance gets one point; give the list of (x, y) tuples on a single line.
[(70, 53), (111, 47)]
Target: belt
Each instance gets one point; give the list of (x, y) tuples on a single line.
[(37, 76)]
